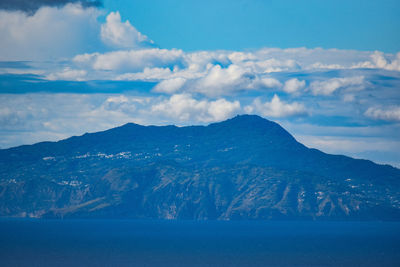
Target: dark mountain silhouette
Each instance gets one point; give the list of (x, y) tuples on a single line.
[(243, 168)]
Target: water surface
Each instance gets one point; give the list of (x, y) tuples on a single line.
[(188, 243)]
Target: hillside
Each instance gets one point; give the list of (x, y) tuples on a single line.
[(246, 167)]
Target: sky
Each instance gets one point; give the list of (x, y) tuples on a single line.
[(327, 71), (245, 24)]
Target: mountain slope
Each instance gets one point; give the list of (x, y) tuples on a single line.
[(243, 168)]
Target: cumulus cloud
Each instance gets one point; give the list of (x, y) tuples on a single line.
[(172, 67), (387, 114), (270, 82), (31, 6), (184, 107), (202, 60), (121, 34), (328, 87), (382, 62), (170, 86), (293, 85), (49, 34), (223, 80), (276, 108)]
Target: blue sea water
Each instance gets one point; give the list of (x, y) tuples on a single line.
[(205, 243)]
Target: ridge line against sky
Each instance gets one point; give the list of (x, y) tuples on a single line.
[(71, 67)]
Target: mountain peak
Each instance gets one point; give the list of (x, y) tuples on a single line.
[(246, 167), (248, 121), (248, 118), (254, 125)]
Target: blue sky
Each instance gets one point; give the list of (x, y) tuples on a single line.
[(244, 24), (328, 71)]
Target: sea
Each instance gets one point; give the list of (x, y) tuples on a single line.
[(35, 242)]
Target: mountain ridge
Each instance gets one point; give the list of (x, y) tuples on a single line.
[(132, 124), (246, 167)]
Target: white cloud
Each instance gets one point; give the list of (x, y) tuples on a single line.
[(131, 60), (202, 60), (169, 86), (53, 34), (50, 33), (303, 58), (63, 32), (380, 60), (270, 83), (319, 65), (387, 114), (219, 81), (183, 107), (121, 34), (271, 65), (276, 108), (293, 85), (147, 74), (328, 87), (222, 109), (220, 73), (224, 81), (68, 74), (29, 118)]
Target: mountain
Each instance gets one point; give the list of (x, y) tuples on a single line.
[(246, 167)]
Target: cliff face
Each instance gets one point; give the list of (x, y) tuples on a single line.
[(243, 168)]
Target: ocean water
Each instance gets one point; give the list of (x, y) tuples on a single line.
[(189, 243)]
